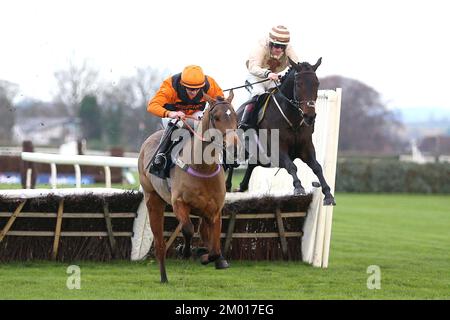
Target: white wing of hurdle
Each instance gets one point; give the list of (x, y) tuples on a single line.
[(317, 227)]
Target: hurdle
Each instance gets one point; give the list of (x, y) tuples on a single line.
[(265, 223)]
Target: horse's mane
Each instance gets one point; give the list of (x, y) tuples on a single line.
[(305, 66), (287, 74)]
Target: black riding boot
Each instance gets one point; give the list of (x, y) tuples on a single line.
[(159, 161), (245, 122), (250, 114)]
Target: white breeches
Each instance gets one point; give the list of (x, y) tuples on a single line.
[(191, 122)]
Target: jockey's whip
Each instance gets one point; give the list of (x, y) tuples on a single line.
[(247, 84)]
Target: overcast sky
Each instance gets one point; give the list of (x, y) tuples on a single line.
[(400, 48)]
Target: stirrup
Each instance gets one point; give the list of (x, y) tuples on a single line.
[(244, 126), (160, 160), (159, 168)]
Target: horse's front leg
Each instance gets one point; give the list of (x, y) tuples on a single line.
[(203, 229), (243, 186), (315, 166), (228, 182), (182, 211), (215, 253), (288, 164)]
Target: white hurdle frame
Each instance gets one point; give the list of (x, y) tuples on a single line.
[(76, 161), (270, 181)]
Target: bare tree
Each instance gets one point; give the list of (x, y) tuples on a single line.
[(8, 91), (136, 90), (366, 125), (131, 95), (75, 82), (32, 108)]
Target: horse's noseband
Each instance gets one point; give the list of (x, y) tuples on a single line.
[(311, 104), (308, 103)]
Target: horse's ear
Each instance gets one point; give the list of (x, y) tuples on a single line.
[(317, 64), (295, 65), (230, 97), (208, 98)]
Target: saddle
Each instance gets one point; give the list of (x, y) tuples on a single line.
[(165, 172), (261, 103)]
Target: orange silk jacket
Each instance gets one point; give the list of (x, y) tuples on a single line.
[(172, 96)]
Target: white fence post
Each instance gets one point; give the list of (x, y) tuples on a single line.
[(28, 181), (77, 175), (107, 176), (54, 175)]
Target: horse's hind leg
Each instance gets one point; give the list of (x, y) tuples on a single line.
[(288, 164), (182, 211), (156, 206)]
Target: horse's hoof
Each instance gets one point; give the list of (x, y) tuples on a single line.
[(299, 192), (199, 251), (179, 250), (181, 253), (221, 263), (204, 259), (329, 201)]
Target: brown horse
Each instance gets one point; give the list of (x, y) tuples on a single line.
[(197, 187), (291, 110)]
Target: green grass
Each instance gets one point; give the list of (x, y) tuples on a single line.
[(407, 236)]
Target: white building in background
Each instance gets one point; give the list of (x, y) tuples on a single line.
[(47, 131), (416, 155)]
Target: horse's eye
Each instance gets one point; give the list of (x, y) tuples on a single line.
[(216, 118)]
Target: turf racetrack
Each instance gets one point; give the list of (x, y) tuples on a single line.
[(406, 236)]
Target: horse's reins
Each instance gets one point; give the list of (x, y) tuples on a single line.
[(246, 85), (200, 137)]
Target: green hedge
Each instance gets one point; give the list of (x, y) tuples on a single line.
[(391, 176)]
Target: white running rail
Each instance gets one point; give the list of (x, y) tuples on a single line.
[(76, 161)]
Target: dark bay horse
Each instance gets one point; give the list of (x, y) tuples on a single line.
[(291, 109), (197, 187)]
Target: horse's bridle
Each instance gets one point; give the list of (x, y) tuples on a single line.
[(294, 102), (211, 123)]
